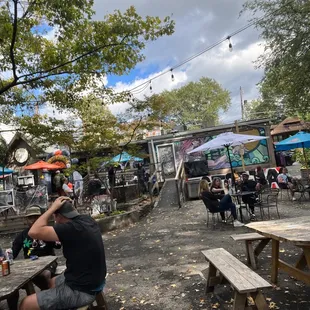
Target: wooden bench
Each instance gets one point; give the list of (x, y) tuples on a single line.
[(252, 253), (225, 267)]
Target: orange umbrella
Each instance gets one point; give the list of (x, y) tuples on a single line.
[(42, 165)]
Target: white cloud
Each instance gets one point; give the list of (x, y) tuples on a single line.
[(198, 24)]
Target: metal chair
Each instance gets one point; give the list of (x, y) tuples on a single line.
[(268, 198)]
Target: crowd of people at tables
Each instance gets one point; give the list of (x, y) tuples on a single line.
[(218, 200)]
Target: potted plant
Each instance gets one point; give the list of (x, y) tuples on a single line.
[(304, 160)]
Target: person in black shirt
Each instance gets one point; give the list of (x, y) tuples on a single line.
[(33, 247), (94, 186), (83, 249), (249, 186), (260, 176)]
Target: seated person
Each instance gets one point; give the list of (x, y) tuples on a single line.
[(217, 201), (272, 176), (35, 247), (67, 191), (83, 249), (285, 182), (248, 185), (94, 186), (260, 176)]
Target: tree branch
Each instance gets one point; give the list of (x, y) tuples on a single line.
[(132, 134), (14, 34), (44, 73), (75, 59)]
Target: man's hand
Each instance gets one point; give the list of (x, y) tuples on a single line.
[(58, 203)]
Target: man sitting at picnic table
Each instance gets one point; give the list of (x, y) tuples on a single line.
[(285, 182), (83, 249), (248, 185), (34, 247)]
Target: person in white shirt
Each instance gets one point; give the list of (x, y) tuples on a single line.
[(284, 182), (68, 191)]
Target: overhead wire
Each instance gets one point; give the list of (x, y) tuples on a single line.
[(187, 60)]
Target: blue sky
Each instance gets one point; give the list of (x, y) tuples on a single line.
[(199, 24)]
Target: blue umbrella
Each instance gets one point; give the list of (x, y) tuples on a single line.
[(5, 171), (299, 140), (123, 157)]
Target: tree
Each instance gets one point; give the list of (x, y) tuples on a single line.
[(286, 30), (260, 108), (193, 106), (51, 51)]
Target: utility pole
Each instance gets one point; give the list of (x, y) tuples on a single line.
[(241, 101)]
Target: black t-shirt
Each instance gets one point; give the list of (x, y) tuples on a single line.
[(84, 251), (249, 185), (94, 187), (32, 246)]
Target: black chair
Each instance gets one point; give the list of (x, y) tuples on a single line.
[(207, 202), (268, 198)]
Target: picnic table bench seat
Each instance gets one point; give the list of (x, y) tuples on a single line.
[(252, 253), (223, 266)]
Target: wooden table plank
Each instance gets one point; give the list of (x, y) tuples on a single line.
[(248, 236), (291, 230), (23, 271), (239, 275)]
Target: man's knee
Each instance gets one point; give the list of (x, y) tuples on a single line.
[(52, 282), (29, 303)]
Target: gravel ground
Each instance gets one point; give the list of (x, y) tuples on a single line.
[(157, 263)]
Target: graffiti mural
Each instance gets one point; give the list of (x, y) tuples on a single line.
[(255, 153)]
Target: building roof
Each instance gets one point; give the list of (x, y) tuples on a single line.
[(290, 124)]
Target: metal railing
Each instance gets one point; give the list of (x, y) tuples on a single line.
[(180, 184)]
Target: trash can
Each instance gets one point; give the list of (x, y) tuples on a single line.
[(192, 188)]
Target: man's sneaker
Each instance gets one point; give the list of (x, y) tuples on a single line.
[(294, 199), (238, 224)]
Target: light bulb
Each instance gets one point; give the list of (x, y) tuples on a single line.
[(172, 76), (230, 44)]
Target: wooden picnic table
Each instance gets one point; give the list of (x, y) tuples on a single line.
[(22, 273), (294, 230)]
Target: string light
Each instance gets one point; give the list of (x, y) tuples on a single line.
[(230, 44), (172, 76), (254, 22)]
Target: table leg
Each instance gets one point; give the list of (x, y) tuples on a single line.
[(307, 254), (302, 262), (250, 253), (29, 288), (260, 247), (275, 261)]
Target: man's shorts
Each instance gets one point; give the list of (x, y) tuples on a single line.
[(63, 297)]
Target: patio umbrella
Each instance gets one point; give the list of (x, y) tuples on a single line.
[(299, 140), (4, 170), (124, 157), (226, 140), (40, 165)]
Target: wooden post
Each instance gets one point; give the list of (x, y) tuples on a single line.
[(275, 261), (242, 158)]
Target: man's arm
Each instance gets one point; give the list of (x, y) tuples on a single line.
[(17, 245), (40, 229)]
